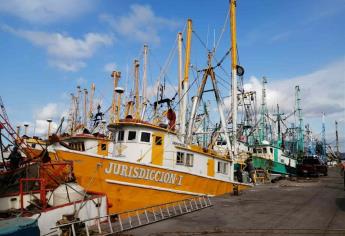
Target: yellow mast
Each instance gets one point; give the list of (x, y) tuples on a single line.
[(185, 78), (136, 77), (118, 107), (129, 108), (85, 108), (189, 37), (92, 92), (116, 76), (233, 34)]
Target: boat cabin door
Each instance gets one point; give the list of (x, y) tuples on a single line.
[(157, 148)]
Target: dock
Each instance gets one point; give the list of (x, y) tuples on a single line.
[(305, 206)]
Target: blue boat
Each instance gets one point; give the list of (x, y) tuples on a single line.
[(19, 226)]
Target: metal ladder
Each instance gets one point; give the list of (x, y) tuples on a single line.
[(127, 220)]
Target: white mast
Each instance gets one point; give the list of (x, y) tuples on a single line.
[(182, 128), (233, 74)]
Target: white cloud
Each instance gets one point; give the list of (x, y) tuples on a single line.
[(152, 91), (68, 65), (110, 67), (81, 81), (141, 24), (44, 11), (41, 128), (321, 91), (54, 111), (65, 52), (49, 111)]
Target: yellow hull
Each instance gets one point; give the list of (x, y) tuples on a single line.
[(130, 185)]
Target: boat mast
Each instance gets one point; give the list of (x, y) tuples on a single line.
[(78, 121), (92, 92), (116, 76), (300, 135), (144, 104), (185, 85), (71, 115), (196, 100), (180, 79), (136, 89), (85, 108), (337, 140), (263, 124), (233, 73), (323, 136)]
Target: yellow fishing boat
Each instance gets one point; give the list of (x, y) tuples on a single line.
[(147, 165), (139, 163)]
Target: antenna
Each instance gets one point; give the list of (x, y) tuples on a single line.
[(323, 136), (337, 139), (300, 136)]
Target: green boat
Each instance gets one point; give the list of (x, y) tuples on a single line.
[(272, 159)]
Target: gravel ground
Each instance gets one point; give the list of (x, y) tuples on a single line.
[(308, 206)]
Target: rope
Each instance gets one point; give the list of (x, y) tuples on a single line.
[(223, 29), (202, 42)]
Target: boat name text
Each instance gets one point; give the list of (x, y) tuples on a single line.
[(143, 173)]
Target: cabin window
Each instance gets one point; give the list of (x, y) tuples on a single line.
[(271, 150), (158, 140), (104, 146), (121, 136), (33, 145), (189, 159), (265, 150), (79, 146), (221, 142), (132, 135), (254, 150), (180, 158), (222, 167), (259, 150), (145, 137)]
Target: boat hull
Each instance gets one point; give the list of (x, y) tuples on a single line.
[(272, 166), (131, 185)]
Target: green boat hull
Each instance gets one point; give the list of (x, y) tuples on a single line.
[(272, 166)]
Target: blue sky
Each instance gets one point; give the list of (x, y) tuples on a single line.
[(49, 47)]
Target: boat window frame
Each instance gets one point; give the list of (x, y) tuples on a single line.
[(264, 150), (182, 157), (189, 160), (271, 150), (77, 146), (160, 140), (135, 137), (222, 167), (141, 135), (123, 136)]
